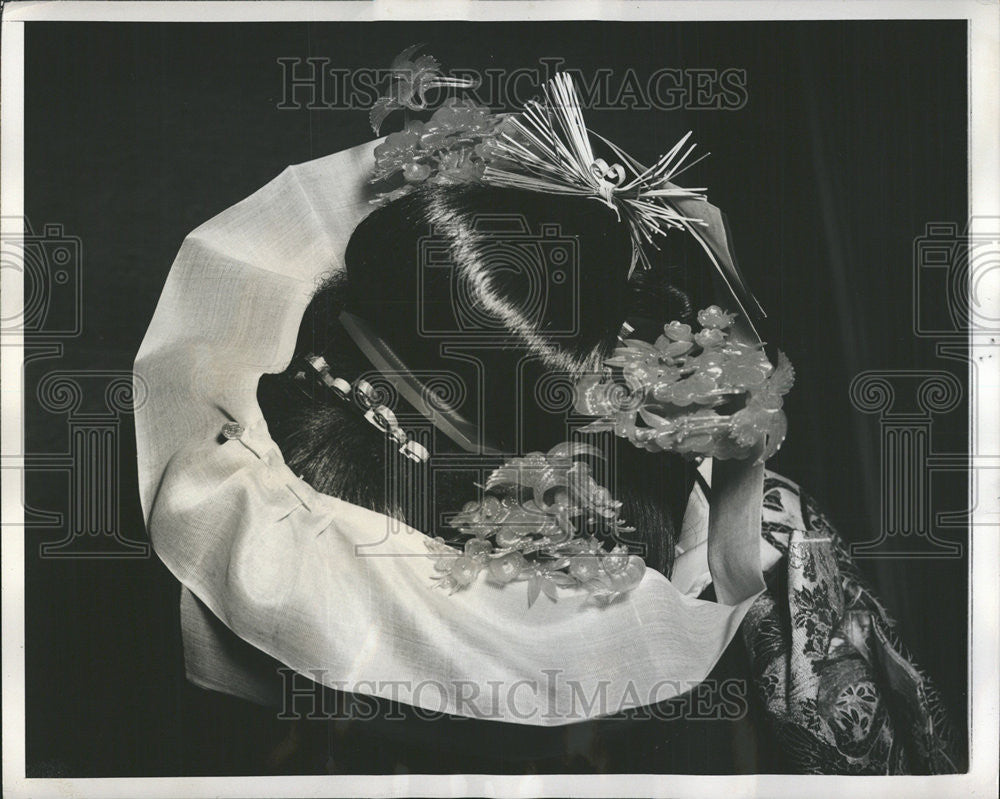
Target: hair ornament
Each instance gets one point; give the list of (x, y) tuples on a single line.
[(542, 521), (410, 78), (365, 397), (702, 393), (450, 148), (546, 148)]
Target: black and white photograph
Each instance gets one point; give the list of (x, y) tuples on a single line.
[(500, 399)]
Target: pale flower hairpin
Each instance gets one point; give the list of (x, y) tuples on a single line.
[(410, 78), (699, 393), (543, 521)]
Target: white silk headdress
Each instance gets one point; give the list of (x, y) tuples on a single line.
[(274, 571)]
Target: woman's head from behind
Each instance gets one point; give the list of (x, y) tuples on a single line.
[(495, 287), (505, 296)]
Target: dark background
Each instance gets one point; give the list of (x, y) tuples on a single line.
[(853, 139)]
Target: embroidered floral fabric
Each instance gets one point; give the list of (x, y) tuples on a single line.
[(839, 687)]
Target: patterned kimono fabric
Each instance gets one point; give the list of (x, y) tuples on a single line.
[(839, 688)]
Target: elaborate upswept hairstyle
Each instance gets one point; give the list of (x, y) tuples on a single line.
[(511, 292)]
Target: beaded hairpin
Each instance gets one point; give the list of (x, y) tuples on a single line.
[(364, 396)]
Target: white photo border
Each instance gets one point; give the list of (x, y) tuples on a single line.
[(983, 17)]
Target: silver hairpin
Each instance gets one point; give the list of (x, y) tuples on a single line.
[(378, 415)]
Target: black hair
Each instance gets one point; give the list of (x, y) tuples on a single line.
[(536, 288)]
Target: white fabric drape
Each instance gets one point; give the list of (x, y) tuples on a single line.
[(334, 591)]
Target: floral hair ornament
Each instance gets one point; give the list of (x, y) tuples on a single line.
[(677, 392), (410, 78), (449, 148), (542, 521)]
